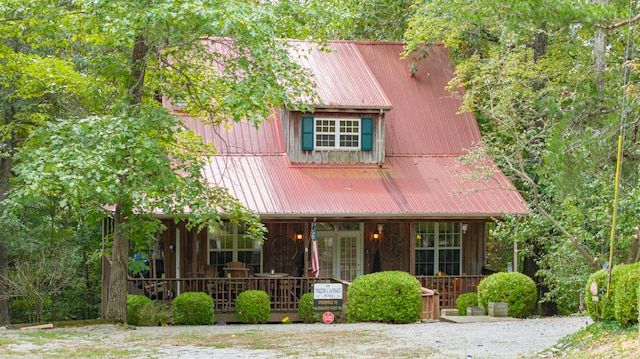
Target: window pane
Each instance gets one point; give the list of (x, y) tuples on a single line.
[(252, 259), (349, 140), (244, 241), (326, 140), (219, 260), (325, 126), (325, 254), (449, 261), (221, 238), (424, 262), (324, 226), (449, 234), (349, 126), (427, 232)]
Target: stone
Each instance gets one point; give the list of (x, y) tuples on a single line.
[(447, 312), (474, 311), (498, 309)]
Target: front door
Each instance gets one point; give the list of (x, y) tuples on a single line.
[(340, 253)]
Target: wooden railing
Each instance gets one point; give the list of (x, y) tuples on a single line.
[(284, 292), (450, 287)]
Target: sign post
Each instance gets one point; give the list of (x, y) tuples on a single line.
[(327, 299)]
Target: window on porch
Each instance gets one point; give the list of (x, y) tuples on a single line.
[(438, 248), (230, 244)]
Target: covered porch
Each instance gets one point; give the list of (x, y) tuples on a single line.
[(447, 257), (285, 292)]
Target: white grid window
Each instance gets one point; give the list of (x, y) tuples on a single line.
[(337, 133), (230, 243), (438, 248)]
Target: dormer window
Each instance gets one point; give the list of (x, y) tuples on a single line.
[(337, 134), (324, 133)]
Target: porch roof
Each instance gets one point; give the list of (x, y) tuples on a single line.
[(407, 187)]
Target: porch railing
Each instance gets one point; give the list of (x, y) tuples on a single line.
[(284, 292), (450, 287)]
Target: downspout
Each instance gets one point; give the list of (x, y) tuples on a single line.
[(380, 138)]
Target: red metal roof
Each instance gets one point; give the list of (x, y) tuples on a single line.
[(431, 187), (424, 136), (342, 77), (424, 119)]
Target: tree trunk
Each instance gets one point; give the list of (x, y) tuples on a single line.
[(530, 267), (117, 296), (4, 301), (6, 166)]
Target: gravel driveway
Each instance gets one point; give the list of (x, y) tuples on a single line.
[(500, 339)]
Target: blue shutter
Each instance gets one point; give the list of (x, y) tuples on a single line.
[(307, 133), (366, 134)]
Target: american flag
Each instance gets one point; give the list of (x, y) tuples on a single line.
[(315, 262)]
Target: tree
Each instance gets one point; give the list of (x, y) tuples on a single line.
[(37, 83), (221, 61), (550, 114), (346, 20)]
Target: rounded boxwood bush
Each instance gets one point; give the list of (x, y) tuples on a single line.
[(602, 308), (135, 308), (516, 289), (305, 309), (389, 297), (626, 293), (465, 300), (192, 308), (253, 306)]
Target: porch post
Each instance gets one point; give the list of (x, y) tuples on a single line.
[(307, 241), (515, 256), (177, 254)]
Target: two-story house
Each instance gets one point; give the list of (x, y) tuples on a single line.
[(375, 166)]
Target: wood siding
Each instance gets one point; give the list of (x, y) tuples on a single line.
[(292, 133)]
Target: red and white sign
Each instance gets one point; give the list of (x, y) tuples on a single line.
[(327, 317)]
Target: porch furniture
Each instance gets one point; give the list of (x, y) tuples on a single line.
[(236, 270), (207, 271)]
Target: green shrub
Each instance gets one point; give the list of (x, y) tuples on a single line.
[(135, 305), (516, 289), (625, 288), (253, 306), (192, 308), (598, 309), (155, 314), (305, 309), (390, 297), (465, 300)]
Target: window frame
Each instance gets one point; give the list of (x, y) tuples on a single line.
[(337, 133), (236, 233), (310, 134), (442, 240)]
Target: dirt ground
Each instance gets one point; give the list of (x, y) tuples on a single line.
[(502, 339)]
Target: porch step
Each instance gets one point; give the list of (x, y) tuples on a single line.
[(448, 312), (475, 311)]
